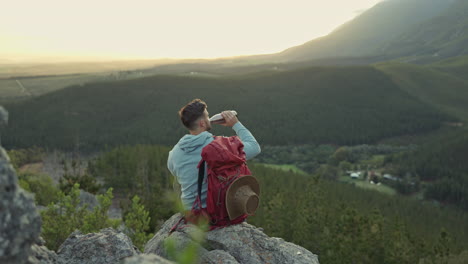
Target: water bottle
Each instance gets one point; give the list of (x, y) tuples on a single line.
[(219, 119)]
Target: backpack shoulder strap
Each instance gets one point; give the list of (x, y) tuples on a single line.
[(201, 175)]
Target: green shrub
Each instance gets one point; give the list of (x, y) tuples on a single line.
[(65, 216), (88, 182), (98, 219), (74, 175), (20, 157), (138, 170), (137, 220), (41, 185)]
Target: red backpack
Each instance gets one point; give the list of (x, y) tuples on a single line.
[(225, 159)]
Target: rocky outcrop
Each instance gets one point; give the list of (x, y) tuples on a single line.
[(107, 246), (182, 238), (20, 223), (242, 243)]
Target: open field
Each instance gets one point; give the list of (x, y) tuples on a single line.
[(8, 70), (285, 167), (34, 86), (22, 87), (10, 88), (367, 185)]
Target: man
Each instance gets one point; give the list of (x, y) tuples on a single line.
[(186, 154)]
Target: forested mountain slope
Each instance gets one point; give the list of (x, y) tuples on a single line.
[(342, 105), (457, 66), (443, 89)]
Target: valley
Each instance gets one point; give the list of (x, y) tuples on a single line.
[(364, 135)]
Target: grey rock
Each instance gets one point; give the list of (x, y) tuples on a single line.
[(3, 116), (146, 259), (181, 237), (242, 243), (115, 212), (107, 246), (247, 244), (89, 199), (41, 241), (42, 255), (218, 256), (20, 223), (156, 244)]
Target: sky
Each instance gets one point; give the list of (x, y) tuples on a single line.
[(167, 28)]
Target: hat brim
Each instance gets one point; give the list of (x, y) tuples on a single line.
[(231, 192)]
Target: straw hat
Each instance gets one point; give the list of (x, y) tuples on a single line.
[(242, 197)]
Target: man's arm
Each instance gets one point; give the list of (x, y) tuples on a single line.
[(251, 146), (169, 163)]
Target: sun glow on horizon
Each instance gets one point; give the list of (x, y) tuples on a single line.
[(167, 29)]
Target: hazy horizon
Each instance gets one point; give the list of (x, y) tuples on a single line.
[(54, 30)]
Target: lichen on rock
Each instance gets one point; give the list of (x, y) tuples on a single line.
[(106, 246), (147, 259)]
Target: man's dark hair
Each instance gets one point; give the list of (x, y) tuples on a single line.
[(191, 112)]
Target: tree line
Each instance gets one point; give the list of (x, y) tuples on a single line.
[(335, 105)]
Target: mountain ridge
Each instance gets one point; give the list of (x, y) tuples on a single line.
[(443, 36), (365, 33)]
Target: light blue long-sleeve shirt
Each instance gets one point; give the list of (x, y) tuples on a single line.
[(186, 154)]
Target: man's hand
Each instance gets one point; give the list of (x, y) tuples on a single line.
[(230, 118)]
